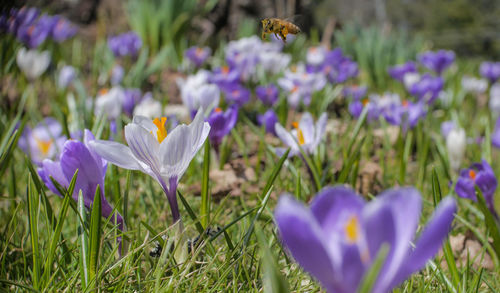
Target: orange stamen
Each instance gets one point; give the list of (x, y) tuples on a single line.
[(225, 69), (472, 174), (405, 103), (161, 133), (218, 110), (295, 89), (103, 91), (43, 145), (365, 102)]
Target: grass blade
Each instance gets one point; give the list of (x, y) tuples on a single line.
[(205, 193), (84, 242), (95, 235), (33, 207)]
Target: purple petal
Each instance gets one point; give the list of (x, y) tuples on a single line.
[(301, 234)]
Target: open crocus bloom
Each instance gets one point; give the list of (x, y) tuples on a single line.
[(32, 62), (44, 141), (91, 168), (338, 238), (150, 150), (305, 135), (479, 174)]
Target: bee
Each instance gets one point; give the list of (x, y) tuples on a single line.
[(280, 27)]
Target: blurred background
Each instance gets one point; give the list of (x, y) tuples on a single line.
[(469, 27)]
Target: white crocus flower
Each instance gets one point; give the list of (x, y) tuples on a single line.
[(197, 92), (455, 143), (32, 62), (150, 150), (474, 85), (410, 79), (305, 135), (109, 103), (495, 100), (148, 107)]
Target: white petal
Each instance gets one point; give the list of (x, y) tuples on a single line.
[(175, 152), (307, 126), (285, 136), (115, 153), (143, 145), (145, 122)]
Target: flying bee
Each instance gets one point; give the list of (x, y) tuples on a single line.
[(280, 27)]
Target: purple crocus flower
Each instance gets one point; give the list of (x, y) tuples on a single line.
[(66, 76), (337, 239), (35, 33), (427, 88), (490, 71), (437, 61), (117, 74), (447, 127), (198, 55), (405, 114), (267, 94), (236, 94), (221, 124), (355, 92), (22, 17), (62, 29), (131, 97), (126, 44), (268, 119), (91, 168), (339, 68), (44, 141), (480, 175), (398, 72), (223, 76), (495, 136)]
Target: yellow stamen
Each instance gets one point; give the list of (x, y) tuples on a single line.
[(161, 133), (351, 230), (300, 134), (43, 145)]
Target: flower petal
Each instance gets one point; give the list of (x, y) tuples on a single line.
[(145, 122), (175, 152), (52, 169), (143, 145), (301, 234), (115, 153), (430, 240)]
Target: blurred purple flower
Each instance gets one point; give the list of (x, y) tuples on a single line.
[(44, 141), (117, 74), (131, 97), (126, 44), (480, 175), (446, 127), (198, 55), (398, 72), (337, 239), (267, 94), (22, 17), (437, 61), (243, 55), (339, 68), (495, 136), (268, 119), (490, 70), (66, 76), (355, 92), (91, 168), (427, 88), (299, 84), (405, 114), (221, 124), (316, 56), (35, 33), (223, 76), (62, 29), (236, 94)]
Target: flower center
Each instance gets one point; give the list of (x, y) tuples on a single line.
[(300, 134), (365, 102), (199, 52), (103, 91), (218, 110), (472, 174), (235, 93), (225, 70), (31, 29), (295, 89), (161, 133), (43, 145), (351, 230), (405, 103)]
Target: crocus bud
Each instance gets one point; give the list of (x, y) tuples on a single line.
[(455, 143)]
